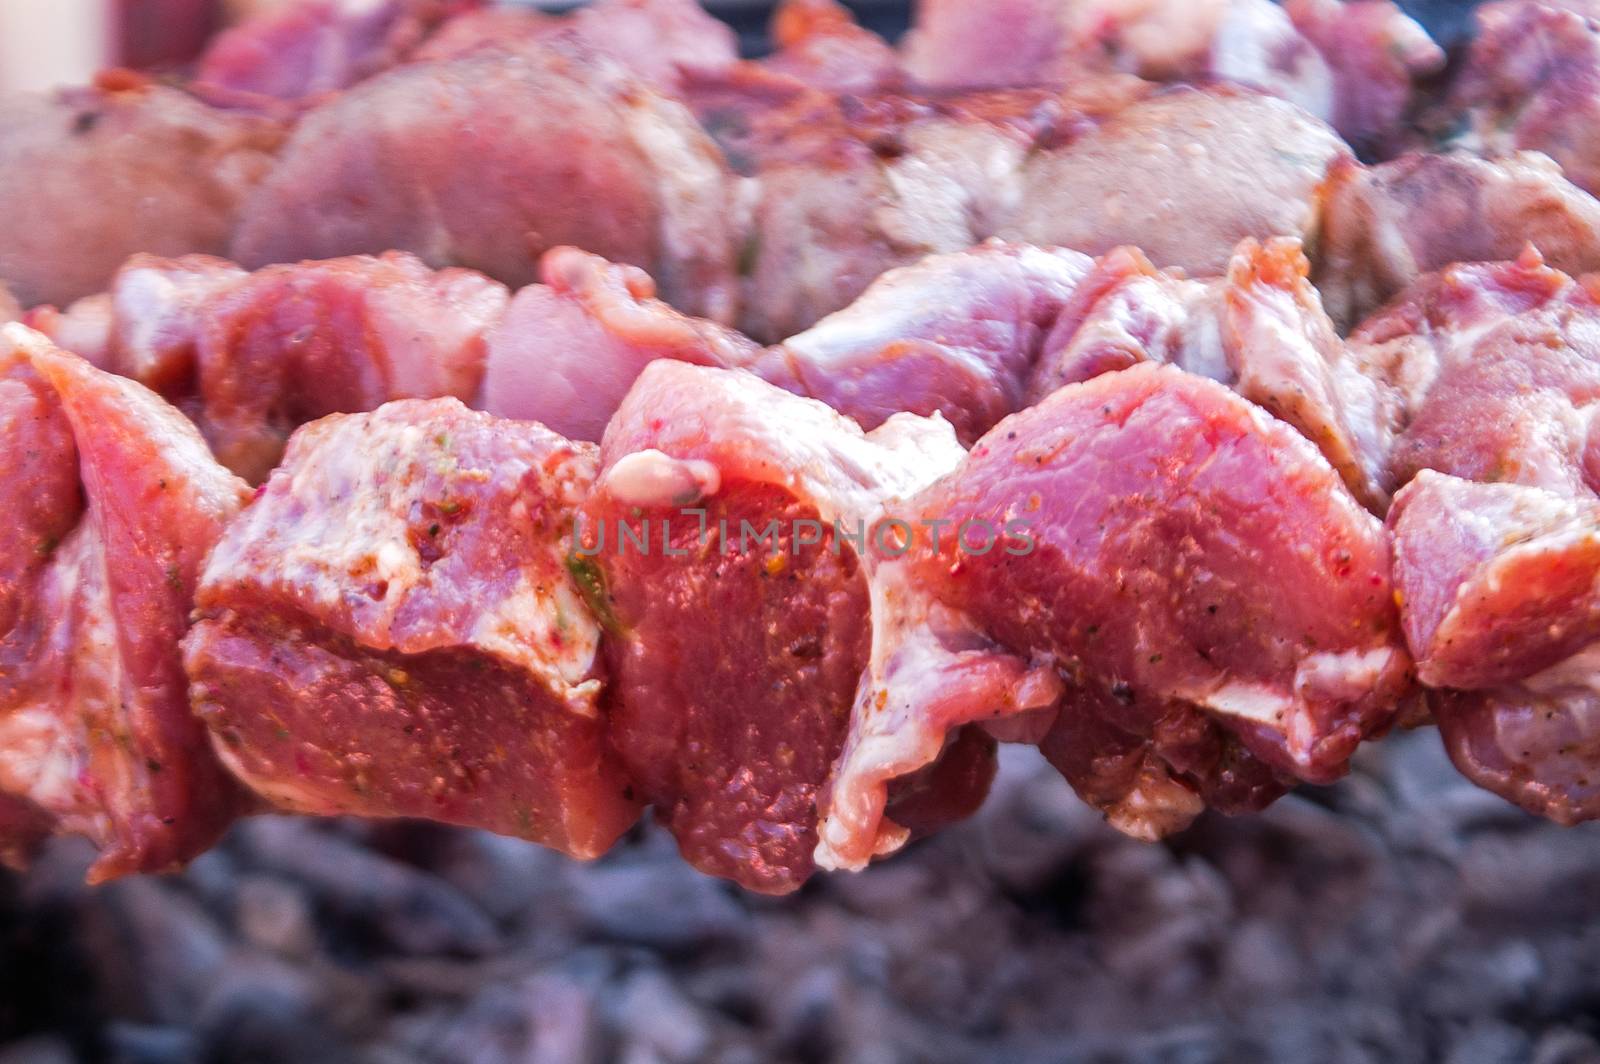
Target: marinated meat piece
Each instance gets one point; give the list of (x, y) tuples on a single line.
[(851, 187), (310, 47), (1376, 54), (1498, 364), (250, 357), (1353, 64), (820, 43), (954, 334), (1499, 578), (95, 730), (1125, 311), (390, 630), (723, 547), (453, 161), (1506, 615), (1495, 544), (1184, 176), (964, 43), (133, 167), (975, 44), (147, 325), (1531, 742), (1117, 536), (1385, 226), (567, 351), (1260, 330), (293, 343), (656, 40), (1531, 80), (153, 315)]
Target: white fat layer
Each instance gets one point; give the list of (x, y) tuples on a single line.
[(1333, 674), (1580, 671), (522, 627), (46, 744), (41, 758), (1155, 809), (651, 478), (921, 683), (889, 736)]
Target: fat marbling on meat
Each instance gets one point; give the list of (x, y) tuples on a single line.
[(1094, 571), (723, 547), (114, 502), (489, 160), (390, 629)]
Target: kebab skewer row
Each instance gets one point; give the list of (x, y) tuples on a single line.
[(1223, 706), (401, 624)]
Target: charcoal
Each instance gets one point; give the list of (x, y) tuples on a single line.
[(41, 1050), (665, 906), (407, 908), (1399, 916)]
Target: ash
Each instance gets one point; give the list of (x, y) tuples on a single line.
[(1400, 916)]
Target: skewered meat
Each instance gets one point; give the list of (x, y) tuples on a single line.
[(1185, 686), (735, 662), (1377, 55), (1353, 64), (568, 350), (1033, 42), (133, 167), (457, 162), (1495, 550), (819, 43), (1385, 226), (954, 334), (95, 731), (1260, 330), (390, 630), (1184, 176), (312, 47), (1531, 80), (850, 187), (252, 356), (656, 40)]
